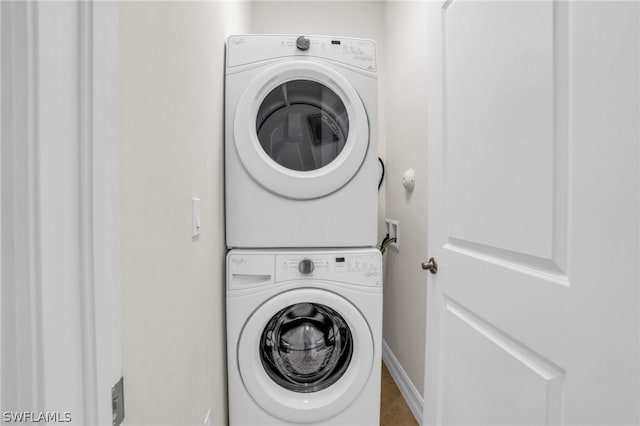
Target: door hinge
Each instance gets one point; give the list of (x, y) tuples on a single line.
[(117, 403)]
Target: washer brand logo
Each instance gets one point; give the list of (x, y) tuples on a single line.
[(370, 274), (238, 260), (238, 41)]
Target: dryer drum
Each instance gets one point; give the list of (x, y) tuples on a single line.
[(306, 347), (302, 125)]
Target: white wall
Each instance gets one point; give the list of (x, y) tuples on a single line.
[(172, 74), (406, 118), (361, 19)]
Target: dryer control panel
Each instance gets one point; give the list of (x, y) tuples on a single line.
[(247, 49)]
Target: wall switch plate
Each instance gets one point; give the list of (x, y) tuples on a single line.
[(195, 217), (393, 230)]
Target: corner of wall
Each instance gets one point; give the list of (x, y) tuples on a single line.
[(404, 98)]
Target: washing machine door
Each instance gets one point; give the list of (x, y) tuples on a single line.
[(305, 355), (301, 130)]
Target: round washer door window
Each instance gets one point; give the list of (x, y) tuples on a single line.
[(306, 347), (302, 125), (305, 355), (301, 130)]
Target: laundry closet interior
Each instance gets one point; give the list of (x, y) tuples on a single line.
[(184, 44), (331, 213)]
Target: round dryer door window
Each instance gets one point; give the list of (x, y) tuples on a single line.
[(301, 130), (302, 125), (305, 355)]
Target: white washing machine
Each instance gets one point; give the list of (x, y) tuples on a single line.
[(304, 332), (301, 148)]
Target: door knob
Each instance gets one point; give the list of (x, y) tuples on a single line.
[(431, 265)]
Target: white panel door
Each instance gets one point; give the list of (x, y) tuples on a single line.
[(533, 316)]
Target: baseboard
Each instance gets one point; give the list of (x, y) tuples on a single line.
[(407, 389)]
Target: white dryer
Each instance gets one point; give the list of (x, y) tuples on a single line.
[(304, 332), (301, 142)]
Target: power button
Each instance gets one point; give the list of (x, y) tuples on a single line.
[(305, 266)]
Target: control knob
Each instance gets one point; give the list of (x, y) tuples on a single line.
[(302, 43), (305, 266)]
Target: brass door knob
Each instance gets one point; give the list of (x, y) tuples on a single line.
[(431, 265)]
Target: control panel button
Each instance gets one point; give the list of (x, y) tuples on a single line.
[(305, 266)]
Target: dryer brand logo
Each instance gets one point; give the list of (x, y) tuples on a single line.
[(371, 274), (239, 260), (238, 41)]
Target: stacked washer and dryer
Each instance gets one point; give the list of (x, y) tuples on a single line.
[(304, 279)]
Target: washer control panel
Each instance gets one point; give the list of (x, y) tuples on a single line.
[(248, 49), (354, 268)]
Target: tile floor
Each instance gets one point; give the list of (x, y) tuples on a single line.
[(393, 410)]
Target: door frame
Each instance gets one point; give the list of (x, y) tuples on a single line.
[(53, 289), (434, 195)]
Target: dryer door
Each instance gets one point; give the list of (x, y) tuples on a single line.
[(305, 355), (301, 130)]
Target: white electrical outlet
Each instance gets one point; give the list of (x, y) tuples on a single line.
[(393, 230), (207, 419)]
